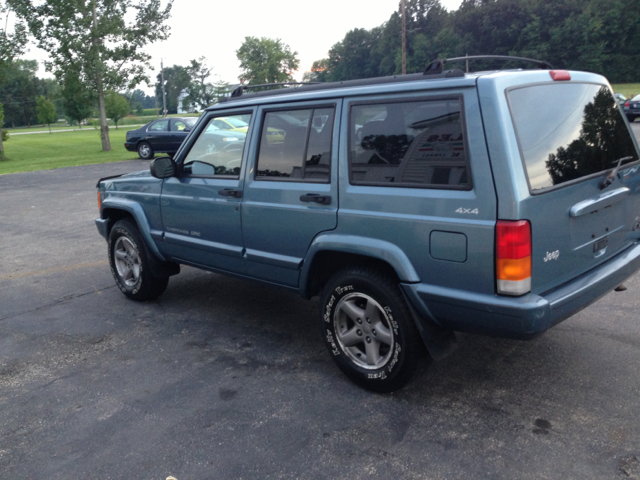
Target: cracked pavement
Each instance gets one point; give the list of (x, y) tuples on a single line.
[(221, 378)]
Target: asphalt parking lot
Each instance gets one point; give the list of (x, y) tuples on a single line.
[(225, 379)]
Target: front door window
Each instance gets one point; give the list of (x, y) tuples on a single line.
[(217, 152)]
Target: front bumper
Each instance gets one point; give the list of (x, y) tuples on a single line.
[(526, 316), (103, 227)]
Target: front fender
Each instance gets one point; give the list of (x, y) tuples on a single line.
[(138, 215), (364, 246)]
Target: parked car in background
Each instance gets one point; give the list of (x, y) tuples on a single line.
[(232, 124), (632, 108), (160, 136), (215, 140)]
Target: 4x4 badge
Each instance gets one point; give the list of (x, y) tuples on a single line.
[(467, 210)]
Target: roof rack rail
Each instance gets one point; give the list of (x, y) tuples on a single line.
[(438, 65), (240, 90)]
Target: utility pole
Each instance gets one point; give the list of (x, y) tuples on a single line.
[(404, 42), (164, 95)]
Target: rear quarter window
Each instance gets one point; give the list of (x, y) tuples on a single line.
[(409, 144), (568, 131)]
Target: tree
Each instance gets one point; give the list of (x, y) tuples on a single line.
[(138, 100), (264, 60), (176, 80), (116, 106), (46, 111), (201, 92), (76, 98), (11, 45), (18, 92), (94, 39)]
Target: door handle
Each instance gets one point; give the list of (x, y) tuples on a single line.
[(315, 198), (227, 192)]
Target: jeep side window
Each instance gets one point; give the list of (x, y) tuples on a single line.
[(296, 145), (408, 144), (217, 152)]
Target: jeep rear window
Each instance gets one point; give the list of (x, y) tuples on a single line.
[(408, 144), (568, 131)]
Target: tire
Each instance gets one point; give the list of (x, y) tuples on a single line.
[(369, 331), (631, 118), (129, 263), (145, 151)]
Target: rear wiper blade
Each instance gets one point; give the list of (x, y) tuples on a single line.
[(608, 180)]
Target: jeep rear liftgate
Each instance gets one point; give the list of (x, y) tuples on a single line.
[(582, 169)]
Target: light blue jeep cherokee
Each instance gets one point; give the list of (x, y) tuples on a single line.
[(496, 202)]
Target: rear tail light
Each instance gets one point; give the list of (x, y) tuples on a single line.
[(627, 103), (99, 201), (513, 257)]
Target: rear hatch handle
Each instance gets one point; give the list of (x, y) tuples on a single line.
[(601, 201)]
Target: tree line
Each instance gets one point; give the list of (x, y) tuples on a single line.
[(21, 90), (599, 36)]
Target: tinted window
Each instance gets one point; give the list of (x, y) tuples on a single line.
[(568, 131), (160, 126), (296, 145), (416, 144), (217, 152)]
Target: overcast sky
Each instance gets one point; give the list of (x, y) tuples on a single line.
[(216, 29)]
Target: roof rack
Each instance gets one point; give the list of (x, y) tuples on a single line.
[(437, 66), (361, 82), (240, 90)]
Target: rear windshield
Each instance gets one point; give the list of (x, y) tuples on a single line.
[(568, 131)]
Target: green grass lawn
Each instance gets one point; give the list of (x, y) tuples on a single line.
[(42, 151), (629, 90)]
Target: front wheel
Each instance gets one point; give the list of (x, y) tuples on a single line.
[(368, 329), (145, 151), (130, 264)]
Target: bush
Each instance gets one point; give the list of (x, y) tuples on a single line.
[(5, 135), (149, 111)]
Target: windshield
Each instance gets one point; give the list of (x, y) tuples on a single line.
[(568, 131)]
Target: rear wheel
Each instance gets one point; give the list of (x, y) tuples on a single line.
[(631, 118), (145, 151), (129, 263), (368, 329)]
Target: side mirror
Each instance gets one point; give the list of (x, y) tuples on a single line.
[(162, 167)]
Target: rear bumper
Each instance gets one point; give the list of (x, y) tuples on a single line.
[(526, 316), (130, 146)]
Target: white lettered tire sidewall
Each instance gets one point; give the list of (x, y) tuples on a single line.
[(146, 286), (118, 231), (403, 357)]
